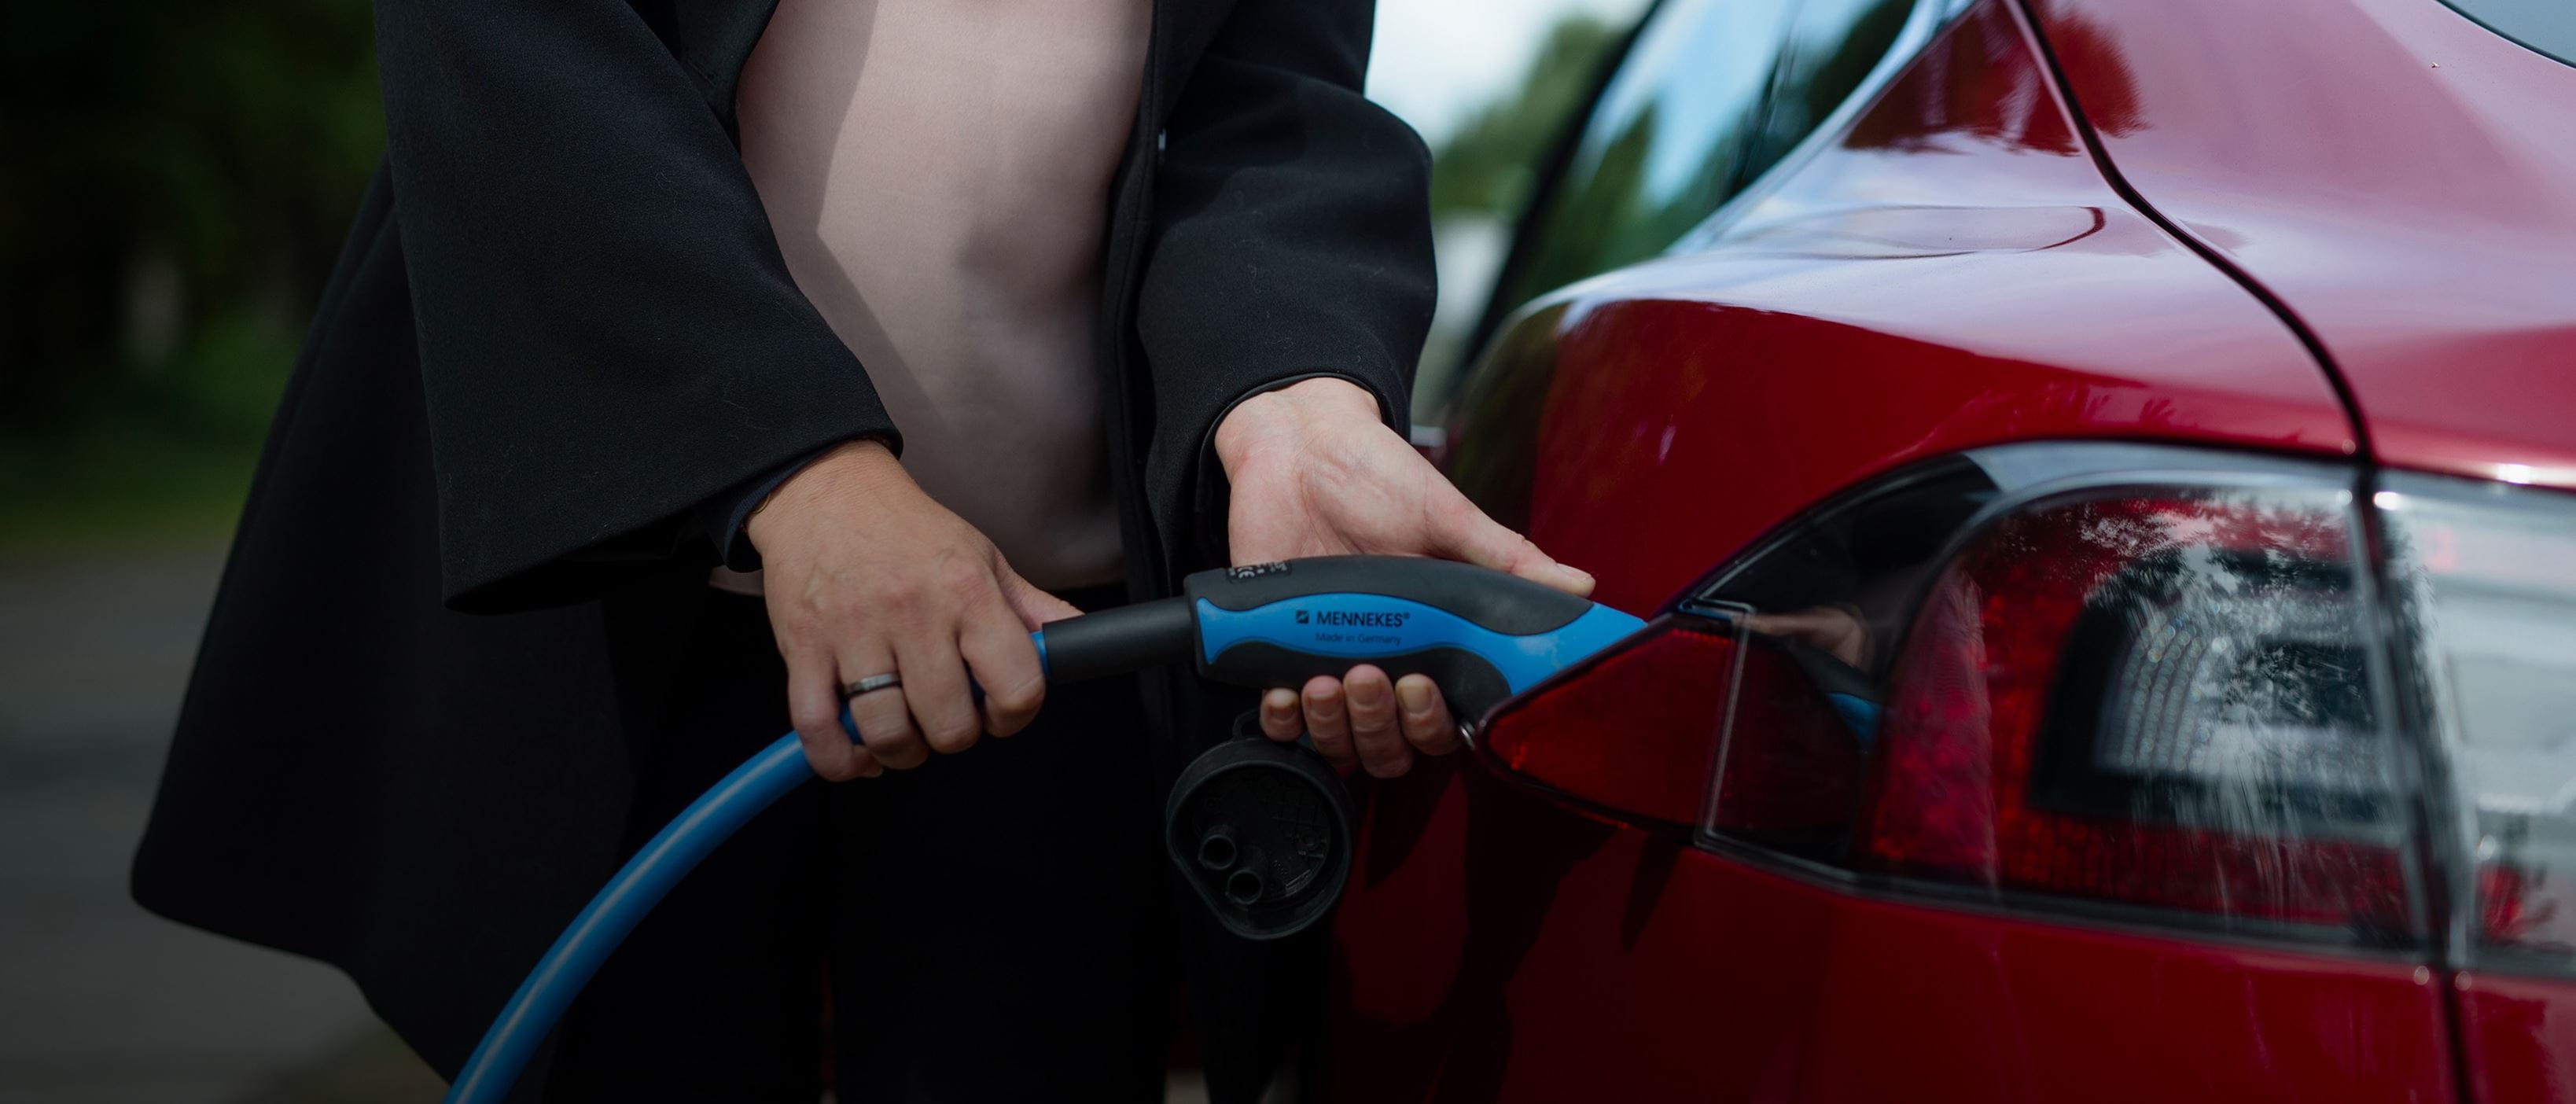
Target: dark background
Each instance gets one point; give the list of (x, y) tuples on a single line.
[(180, 175)]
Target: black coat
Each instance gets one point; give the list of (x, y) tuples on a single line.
[(560, 324)]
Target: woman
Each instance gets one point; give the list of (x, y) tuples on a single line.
[(634, 310)]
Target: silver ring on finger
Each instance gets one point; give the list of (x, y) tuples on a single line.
[(871, 684)]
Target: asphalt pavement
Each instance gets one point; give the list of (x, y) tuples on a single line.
[(99, 1000)]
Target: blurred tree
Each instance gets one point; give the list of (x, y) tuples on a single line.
[(1490, 163), (1485, 173), (1607, 217), (182, 174)]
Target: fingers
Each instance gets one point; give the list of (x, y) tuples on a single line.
[(1325, 725), (935, 686), (1427, 723), (868, 576), (884, 716), (1368, 708), (1362, 719), (1001, 659), (1463, 532), (1035, 607), (814, 703), (1280, 718)]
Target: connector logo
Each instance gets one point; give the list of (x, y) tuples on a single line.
[(1362, 619)]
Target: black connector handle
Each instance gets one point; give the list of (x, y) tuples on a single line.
[(1119, 641)]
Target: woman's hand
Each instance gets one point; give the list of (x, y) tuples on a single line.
[(1315, 473), (864, 576)]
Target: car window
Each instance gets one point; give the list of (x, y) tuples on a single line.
[(2548, 26), (1831, 47), (1713, 93), (1487, 166), (1662, 147)]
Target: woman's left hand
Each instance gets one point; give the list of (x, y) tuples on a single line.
[(1315, 473)]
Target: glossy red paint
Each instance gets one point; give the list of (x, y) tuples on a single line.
[(2402, 178), (2519, 1037), (1494, 946), (1955, 273), (1634, 730)]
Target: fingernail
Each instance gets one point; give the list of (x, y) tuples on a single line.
[(1279, 701), (1415, 696)]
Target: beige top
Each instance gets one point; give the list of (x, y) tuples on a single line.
[(938, 173)]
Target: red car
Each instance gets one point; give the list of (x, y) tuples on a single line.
[(2099, 471)]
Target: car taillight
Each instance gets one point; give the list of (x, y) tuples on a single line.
[(2142, 684), (2149, 685), (2484, 577), (2159, 697)]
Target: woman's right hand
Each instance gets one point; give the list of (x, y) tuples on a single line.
[(865, 575)]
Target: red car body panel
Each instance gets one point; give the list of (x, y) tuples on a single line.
[(1495, 945), (2404, 182), (2399, 176), (1955, 273), (2518, 1037)]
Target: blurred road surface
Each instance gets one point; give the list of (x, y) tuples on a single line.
[(99, 1000)]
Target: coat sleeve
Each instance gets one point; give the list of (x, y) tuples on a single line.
[(1292, 234), (608, 335)]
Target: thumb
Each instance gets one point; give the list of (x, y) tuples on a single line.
[(1467, 534), (1035, 607)]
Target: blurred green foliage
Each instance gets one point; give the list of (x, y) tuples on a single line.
[(1489, 165), (180, 178), (1483, 176)]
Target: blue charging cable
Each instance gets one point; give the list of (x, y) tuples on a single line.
[(1483, 634), (549, 989), (604, 923)]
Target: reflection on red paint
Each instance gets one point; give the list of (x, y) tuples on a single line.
[(1599, 964), (1651, 425), (1634, 729), (2519, 1036), (2404, 179)]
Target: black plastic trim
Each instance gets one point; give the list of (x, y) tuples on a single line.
[(2139, 920), (1504, 603)]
